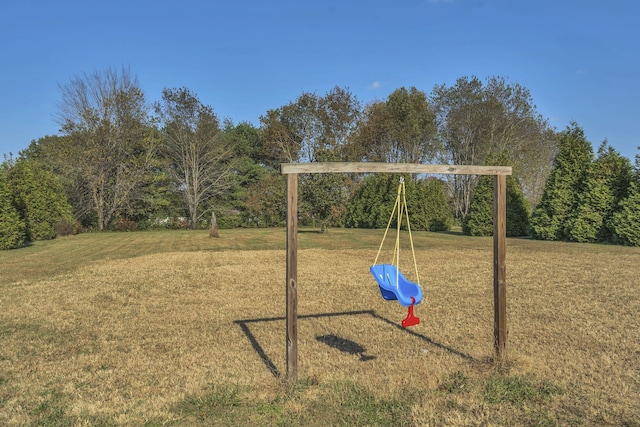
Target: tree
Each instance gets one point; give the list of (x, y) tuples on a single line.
[(606, 184), (313, 128), (372, 202), (266, 201), (324, 199), (199, 162), (243, 138), (12, 227), (309, 127), (625, 222), (400, 129), (278, 142), (479, 222), (374, 198), (560, 197), (109, 148), (518, 211), (55, 152), (478, 122), (338, 113), (436, 206), (39, 199)]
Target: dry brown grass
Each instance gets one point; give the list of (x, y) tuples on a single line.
[(127, 341)]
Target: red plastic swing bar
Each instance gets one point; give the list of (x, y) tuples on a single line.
[(411, 319)]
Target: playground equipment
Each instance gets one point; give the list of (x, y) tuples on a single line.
[(292, 170), (393, 285)]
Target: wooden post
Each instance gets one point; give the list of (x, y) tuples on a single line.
[(213, 230), (292, 277), (499, 265)]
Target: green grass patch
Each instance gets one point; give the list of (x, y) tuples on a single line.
[(308, 404), (518, 390), (351, 404), (221, 403), (51, 410)]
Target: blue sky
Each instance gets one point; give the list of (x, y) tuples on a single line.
[(580, 59)]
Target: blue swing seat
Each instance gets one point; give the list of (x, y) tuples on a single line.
[(385, 275)]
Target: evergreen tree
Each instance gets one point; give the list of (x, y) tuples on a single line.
[(479, 222), (436, 206), (518, 212), (566, 180), (625, 222), (606, 185), (12, 227), (56, 153), (40, 199), (373, 202)]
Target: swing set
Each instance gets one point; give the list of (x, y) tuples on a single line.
[(393, 285)]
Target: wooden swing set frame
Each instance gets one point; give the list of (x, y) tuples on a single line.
[(292, 170)]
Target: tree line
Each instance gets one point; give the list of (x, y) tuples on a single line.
[(121, 163), (588, 197)]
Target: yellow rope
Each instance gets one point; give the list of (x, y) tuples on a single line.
[(413, 252), (387, 230), (396, 250)]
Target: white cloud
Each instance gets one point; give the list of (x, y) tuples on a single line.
[(375, 85)]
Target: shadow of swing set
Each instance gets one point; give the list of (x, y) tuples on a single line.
[(342, 344), (392, 283)]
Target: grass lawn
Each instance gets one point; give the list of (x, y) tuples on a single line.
[(175, 328)]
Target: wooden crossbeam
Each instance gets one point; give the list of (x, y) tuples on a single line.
[(375, 167)]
